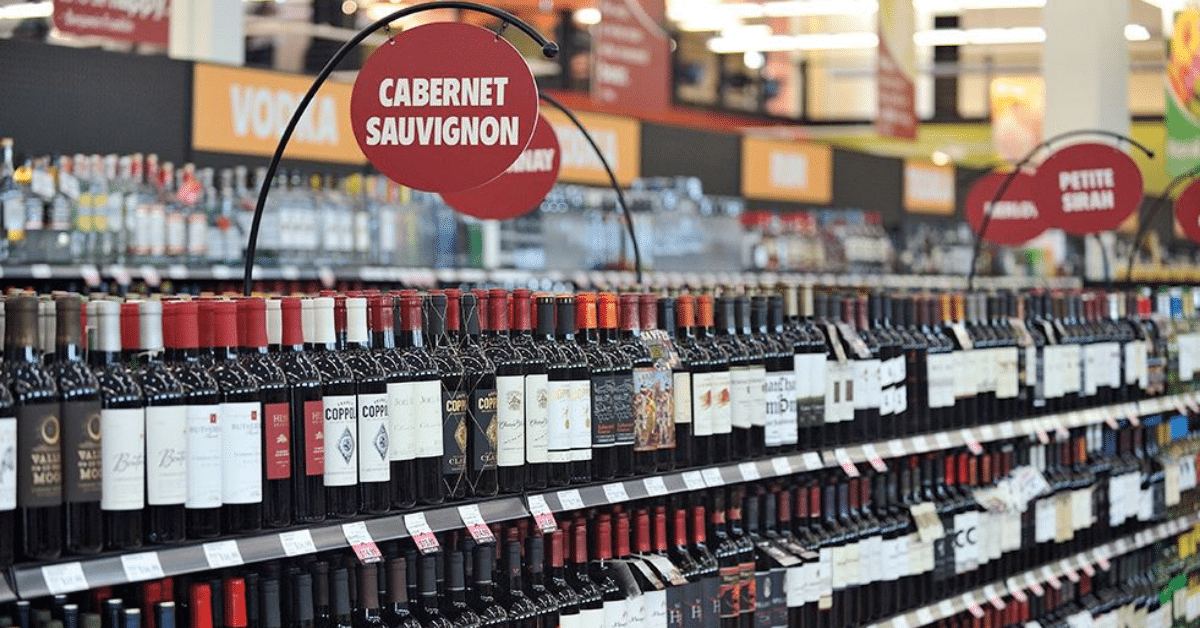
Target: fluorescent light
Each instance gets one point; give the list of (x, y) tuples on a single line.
[(736, 40), (980, 36), (26, 10), (811, 41), (954, 6), (801, 8), (1137, 32), (588, 16), (754, 59)]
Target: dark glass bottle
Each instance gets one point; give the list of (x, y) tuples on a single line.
[(481, 414), (368, 613), (747, 562), (482, 596), (510, 394), (693, 416), (662, 428), (779, 389), (535, 392), (442, 323), (80, 413), (234, 603), (343, 612), (603, 387), (600, 571), (122, 426), (166, 432), (371, 406), (339, 403), (619, 389), (755, 374), (556, 582), (579, 427), (402, 444), (521, 610), (306, 419), (302, 613), (275, 400), (645, 459), (535, 576), (591, 597), (558, 394), (940, 363), (728, 555), (423, 416), (241, 431), (397, 613), (456, 607), (740, 366)]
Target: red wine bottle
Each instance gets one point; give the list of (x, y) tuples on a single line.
[(591, 597), (275, 412), (678, 318), (339, 404), (645, 457), (122, 429), (367, 611), (579, 396), (397, 613), (401, 445), (421, 420), (456, 607), (619, 385), (307, 416), (82, 462), (535, 392), (241, 427), (442, 324), (371, 410), (603, 387), (558, 393), (8, 476), (166, 432), (481, 412), (521, 610), (510, 395), (742, 368), (429, 611)]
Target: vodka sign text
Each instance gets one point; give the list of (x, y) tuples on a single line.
[(444, 94)]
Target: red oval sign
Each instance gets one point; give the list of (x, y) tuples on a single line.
[(1187, 211), (1016, 218), (444, 107), (1088, 188), (521, 188)]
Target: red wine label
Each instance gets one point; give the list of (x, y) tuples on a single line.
[(8, 463), (341, 431), (277, 453), (722, 402), (623, 404), (653, 409), (740, 401), (166, 455), (510, 420), (123, 452), (314, 438), (204, 456), (374, 440), (82, 463), (558, 415), (39, 457), (682, 389), (605, 392), (702, 404), (537, 408), (581, 420), (484, 424), (241, 444), (730, 591)]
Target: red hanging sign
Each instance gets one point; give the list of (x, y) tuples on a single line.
[(1016, 218), (1187, 211), (444, 107), (146, 22), (1088, 188), (521, 188)]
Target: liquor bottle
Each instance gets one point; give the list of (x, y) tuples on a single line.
[(651, 605), (545, 600), (322, 610), (270, 605), (122, 426), (371, 409), (482, 594), (591, 597), (233, 604), (779, 388), (755, 374), (940, 366), (342, 611), (556, 582), (809, 357), (241, 427), (717, 400), (536, 380), (645, 460), (421, 419), (579, 427), (201, 401), (456, 608), (306, 418), (397, 613), (521, 610), (619, 387), (166, 432), (914, 345), (442, 323), (482, 471), (893, 416), (662, 432), (837, 424), (600, 571), (80, 432), (1007, 351), (401, 446), (510, 394), (339, 403), (866, 390), (558, 392), (275, 426), (604, 387), (740, 366), (693, 417)]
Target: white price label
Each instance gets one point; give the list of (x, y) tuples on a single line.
[(900, 621), (1007, 430), (969, 602), (942, 440), (782, 466), (65, 578), (749, 471), (542, 514), (843, 459), (615, 493), (987, 432), (297, 543), (570, 499), (920, 444), (873, 458), (712, 478), (361, 542), (142, 566), (896, 448), (473, 519), (946, 609), (655, 486), (924, 616), (972, 440), (812, 461), (693, 480), (418, 528), (221, 554)]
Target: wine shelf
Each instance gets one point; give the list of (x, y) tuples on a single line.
[(76, 574), (1048, 573)]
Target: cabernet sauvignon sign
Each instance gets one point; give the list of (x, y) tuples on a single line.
[(1088, 188), (521, 188), (1015, 218), (444, 107)]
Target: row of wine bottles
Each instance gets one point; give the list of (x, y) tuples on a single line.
[(193, 418)]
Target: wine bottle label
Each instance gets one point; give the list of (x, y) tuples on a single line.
[(559, 422), (606, 390), (763, 610), (656, 609), (166, 455), (402, 420), (8, 463), (939, 377), (374, 438), (455, 435), (314, 438), (39, 455), (943, 552), (702, 404), (427, 418), (730, 591), (796, 584), (1008, 384), (82, 458), (510, 420), (777, 404), (1081, 508), (653, 409), (1045, 514), (341, 438), (867, 385), (966, 546), (818, 374), (483, 422), (204, 456), (682, 387), (711, 598), (1110, 360), (722, 395), (537, 424), (580, 428), (241, 442), (833, 391), (615, 613), (755, 381), (626, 421), (739, 390), (123, 450), (591, 617)]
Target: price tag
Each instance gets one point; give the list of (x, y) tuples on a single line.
[(1069, 570), (473, 519), (873, 458), (896, 448), (994, 597), (929, 524), (361, 542), (615, 493), (972, 442), (150, 276), (693, 480), (925, 616), (422, 535), (946, 608), (843, 459), (1017, 592), (142, 566), (655, 486), (1042, 436), (65, 578), (541, 514), (712, 477), (942, 440), (749, 471), (221, 272), (900, 621), (782, 466), (812, 461), (920, 444), (1050, 578), (969, 602), (1104, 563), (1036, 587), (570, 499), (180, 272), (297, 543), (221, 554), (120, 274), (1088, 569), (1007, 430), (90, 274)]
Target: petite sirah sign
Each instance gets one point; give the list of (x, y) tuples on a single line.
[(1016, 218), (521, 188), (444, 107), (1088, 188)]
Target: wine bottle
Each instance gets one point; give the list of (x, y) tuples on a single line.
[(521, 610), (166, 432), (546, 601), (234, 593), (604, 386), (421, 418), (371, 409), (482, 474), (306, 419), (645, 458), (619, 388), (728, 555), (755, 374), (122, 429), (342, 611), (510, 395), (8, 474), (397, 613), (401, 440), (781, 430), (483, 600), (568, 598), (558, 393), (367, 611), (442, 323), (241, 427), (591, 597), (80, 432), (579, 424), (536, 381), (275, 400), (339, 403), (693, 415)]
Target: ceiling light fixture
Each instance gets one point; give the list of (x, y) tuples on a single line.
[(27, 10), (737, 42), (588, 16)]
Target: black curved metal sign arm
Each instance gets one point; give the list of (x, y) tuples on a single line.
[(1143, 225)]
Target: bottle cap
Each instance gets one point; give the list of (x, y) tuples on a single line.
[(199, 605), (606, 310), (522, 310), (290, 321), (150, 326), (630, 312), (130, 333), (274, 322), (356, 320), (104, 314), (235, 596), (68, 310), (453, 310), (397, 585), (648, 311), (685, 311), (704, 311), (410, 312), (341, 591), (565, 318), (469, 315), (380, 313), (307, 325), (323, 330), (498, 306), (585, 310), (252, 322)]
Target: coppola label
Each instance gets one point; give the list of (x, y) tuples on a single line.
[(374, 440), (444, 93), (483, 422), (1088, 188), (341, 438), (510, 420)]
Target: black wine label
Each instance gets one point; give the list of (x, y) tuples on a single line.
[(676, 602), (483, 422), (606, 394), (763, 612), (778, 589), (39, 456), (82, 462), (711, 598), (749, 589), (623, 408), (693, 604), (454, 432)]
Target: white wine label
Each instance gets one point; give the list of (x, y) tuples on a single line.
[(683, 397), (166, 455), (742, 414), (374, 438), (580, 427), (558, 417), (203, 456), (510, 420), (427, 421), (702, 404), (123, 449), (722, 400), (402, 420), (8, 463), (341, 440), (241, 442), (537, 407)]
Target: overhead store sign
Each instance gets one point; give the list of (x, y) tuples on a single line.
[(444, 107), (1187, 212), (619, 140), (244, 112), (1182, 115), (928, 188), (521, 188), (896, 71), (776, 170), (139, 21), (1015, 218), (1089, 188), (631, 55)]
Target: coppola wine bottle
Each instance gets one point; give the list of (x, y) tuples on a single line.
[(166, 432), (481, 413), (80, 431), (371, 409), (401, 423), (421, 419), (307, 417), (339, 404), (275, 425), (442, 323), (241, 426)]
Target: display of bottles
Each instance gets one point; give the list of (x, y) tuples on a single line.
[(166, 431)]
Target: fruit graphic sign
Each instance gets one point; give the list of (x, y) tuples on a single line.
[(1183, 93)]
